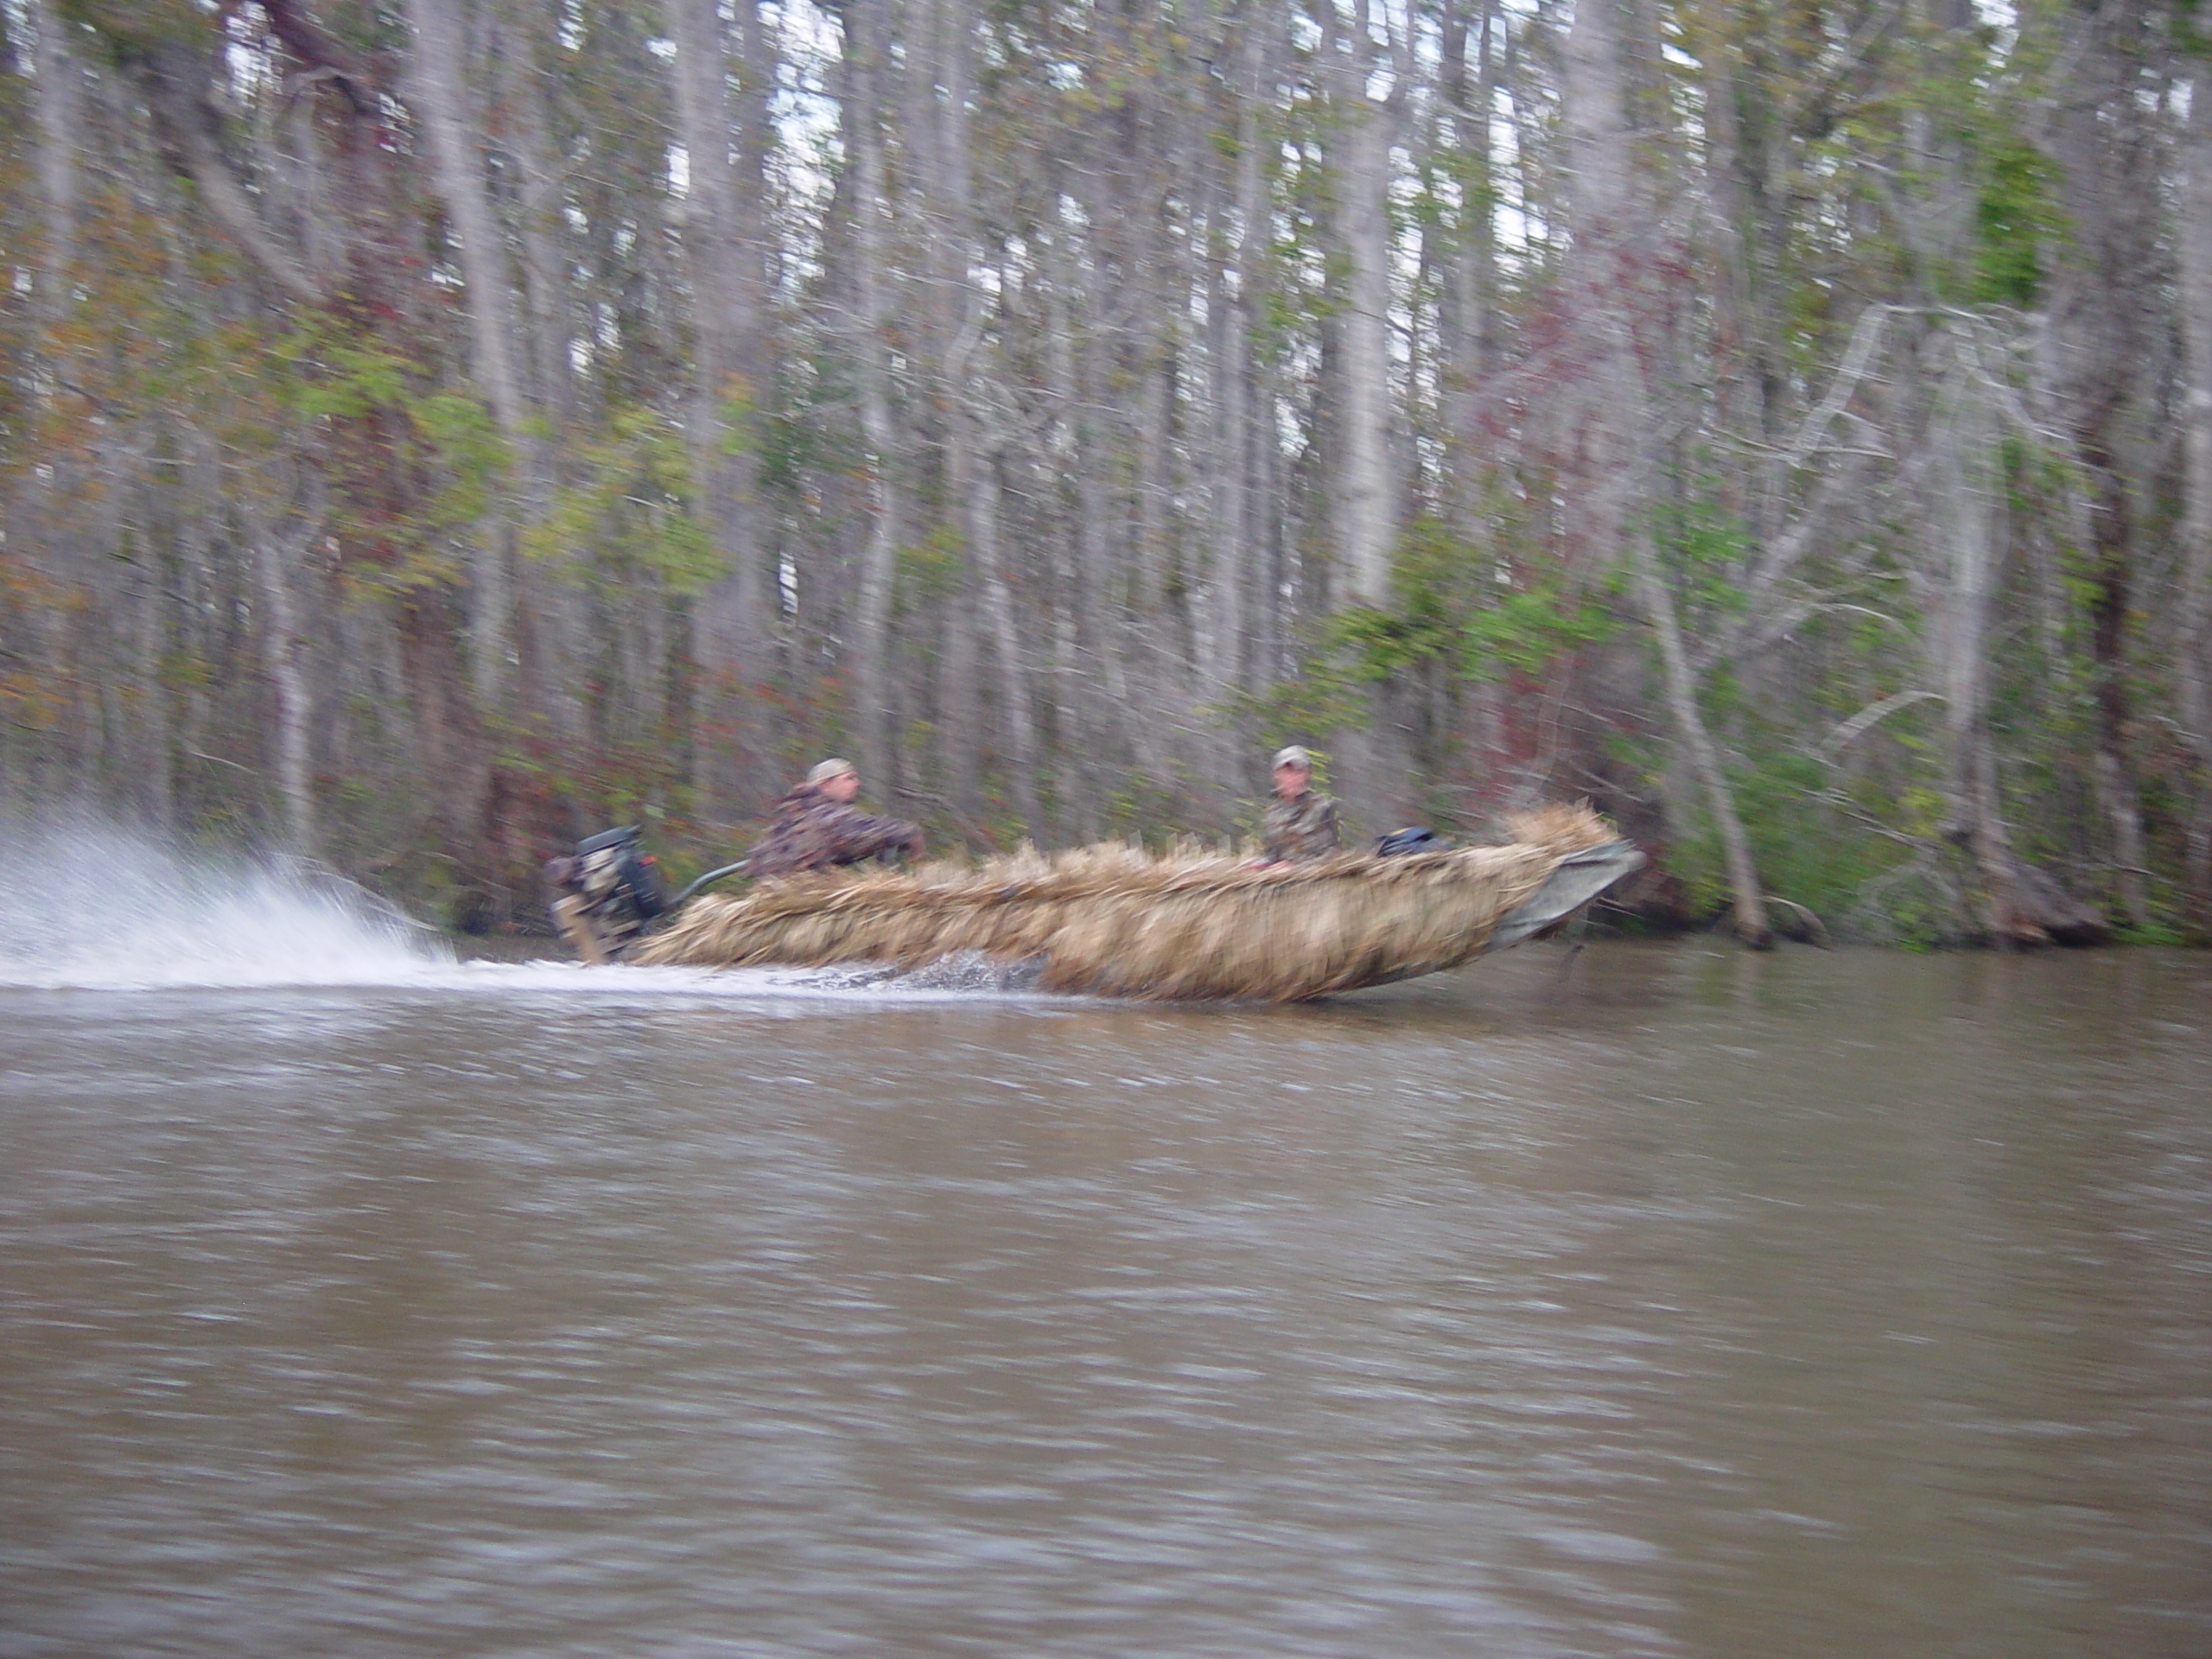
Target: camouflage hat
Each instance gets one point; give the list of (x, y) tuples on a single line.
[(1293, 756), (825, 770)]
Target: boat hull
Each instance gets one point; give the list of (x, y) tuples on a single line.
[(1112, 921)]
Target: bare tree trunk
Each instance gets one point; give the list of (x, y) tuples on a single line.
[(722, 264), (753, 605), (998, 600), (538, 214), (1366, 496), (1364, 500), (35, 493), (1075, 724), (2101, 305), (279, 547), (2193, 635), (436, 77), (1152, 644), (1609, 266), (1466, 303), (872, 678), (2112, 767), (1657, 601), (974, 438), (1223, 650), (1086, 652), (937, 57), (1959, 448), (61, 122), (174, 74), (542, 613)]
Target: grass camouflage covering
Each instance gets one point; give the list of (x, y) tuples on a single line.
[(1115, 920)]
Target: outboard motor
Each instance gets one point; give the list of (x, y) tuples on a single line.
[(608, 895)]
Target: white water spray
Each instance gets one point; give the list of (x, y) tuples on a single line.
[(84, 904), (88, 906)]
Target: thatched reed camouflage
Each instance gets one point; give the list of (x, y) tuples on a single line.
[(1115, 920)]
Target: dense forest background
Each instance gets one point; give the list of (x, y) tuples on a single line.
[(433, 429)]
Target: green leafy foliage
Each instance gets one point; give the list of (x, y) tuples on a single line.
[(631, 518), (1459, 610), (417, 460), (1458, 619), (1705, 546), (131, 28), (930, 569), (2016, 217), (1806, 849)]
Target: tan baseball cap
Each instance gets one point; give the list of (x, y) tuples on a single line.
[(1292, 755), (825, 770)]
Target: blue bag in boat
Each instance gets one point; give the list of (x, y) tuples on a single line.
[(1413, 839)]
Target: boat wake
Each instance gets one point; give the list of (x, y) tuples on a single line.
[(86, 906), (89, 905)]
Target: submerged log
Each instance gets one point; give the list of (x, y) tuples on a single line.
[(2027, 906), (1115, 920), (2044, 913)]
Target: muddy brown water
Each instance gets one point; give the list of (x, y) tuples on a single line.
[(1663, 1302)]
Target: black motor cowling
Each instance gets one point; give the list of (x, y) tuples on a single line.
[(616, 861), (607, 893)]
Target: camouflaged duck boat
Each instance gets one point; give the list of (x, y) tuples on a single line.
[(1116, 921)]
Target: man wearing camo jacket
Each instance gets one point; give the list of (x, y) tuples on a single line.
[(818, 827), (1300, 821)]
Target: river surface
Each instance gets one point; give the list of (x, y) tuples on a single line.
[(1661, 1301)]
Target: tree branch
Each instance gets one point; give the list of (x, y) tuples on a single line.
[(173, 78), (291, 23)]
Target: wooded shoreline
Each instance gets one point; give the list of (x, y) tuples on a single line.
[(433, 430)]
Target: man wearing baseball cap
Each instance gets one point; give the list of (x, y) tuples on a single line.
[(1300, 821), (817, 827)]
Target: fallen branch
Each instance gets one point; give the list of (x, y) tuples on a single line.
[(1816, 930)]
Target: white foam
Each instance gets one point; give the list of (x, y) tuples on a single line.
[(857, 983), (86, 906)]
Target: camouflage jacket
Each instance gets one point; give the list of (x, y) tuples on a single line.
[(1294, 831), (812, 832)]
